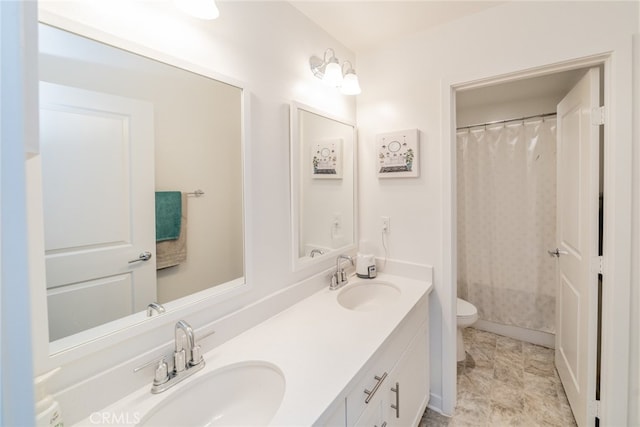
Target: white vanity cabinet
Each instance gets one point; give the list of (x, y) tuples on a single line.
[(397, 376)]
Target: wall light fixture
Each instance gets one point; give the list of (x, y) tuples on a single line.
[(203, 9), (330, 72), (350, 84)]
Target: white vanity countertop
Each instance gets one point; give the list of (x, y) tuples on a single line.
[(317, 344)]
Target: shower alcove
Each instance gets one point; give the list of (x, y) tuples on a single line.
[(506, 203)]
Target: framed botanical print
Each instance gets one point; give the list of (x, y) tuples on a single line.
[(397, 154), (326, 159)]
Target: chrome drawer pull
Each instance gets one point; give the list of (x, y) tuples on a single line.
[(375, 388), (397, 405)]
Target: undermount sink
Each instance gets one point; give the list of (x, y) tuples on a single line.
[(368, 296), (242, 394)]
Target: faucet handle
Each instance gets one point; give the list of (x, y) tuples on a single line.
[(196, 355), (196, 351), (161, 374)]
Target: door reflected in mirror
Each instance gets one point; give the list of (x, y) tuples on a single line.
[(323, 185), (137, 156)]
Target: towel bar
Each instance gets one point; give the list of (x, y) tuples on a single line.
[(197, 193)]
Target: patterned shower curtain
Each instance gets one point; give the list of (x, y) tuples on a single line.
[(506, 202)]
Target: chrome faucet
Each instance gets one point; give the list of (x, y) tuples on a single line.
[(187, 354), (315, 252), (339, 278), (187, 360), (156, 308)]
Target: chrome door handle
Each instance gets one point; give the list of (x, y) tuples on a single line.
[(144, 256), (557, 252)]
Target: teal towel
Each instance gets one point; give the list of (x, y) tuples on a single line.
[(168, 215)]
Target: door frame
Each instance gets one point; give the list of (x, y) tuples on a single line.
[(617, 226), (18, 138)]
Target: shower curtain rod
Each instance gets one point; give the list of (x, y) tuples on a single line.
[(497, 122)]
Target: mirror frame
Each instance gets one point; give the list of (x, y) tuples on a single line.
[(87, 342), (298, 263)]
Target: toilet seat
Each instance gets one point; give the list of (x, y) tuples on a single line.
[(466, 311)]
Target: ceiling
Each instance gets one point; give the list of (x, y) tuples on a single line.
[(550, 85), (361, 25)]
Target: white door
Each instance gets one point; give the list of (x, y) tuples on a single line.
[(97, 155), (577, 239)]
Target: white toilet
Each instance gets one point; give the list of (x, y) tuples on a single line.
[(466, 314)]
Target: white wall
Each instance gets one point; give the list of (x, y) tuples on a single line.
[(264, 47), (406, 84)]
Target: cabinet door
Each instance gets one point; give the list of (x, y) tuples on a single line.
[(408, 391), (372, 416)]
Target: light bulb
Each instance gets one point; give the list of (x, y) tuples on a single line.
[(332, 73), (350, 84)]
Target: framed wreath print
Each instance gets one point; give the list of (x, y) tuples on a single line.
[(326, 159), (397, 154)]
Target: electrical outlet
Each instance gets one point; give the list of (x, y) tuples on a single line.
[(386, 224), (336, 229), (337, 220)]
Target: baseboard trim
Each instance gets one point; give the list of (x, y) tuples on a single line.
[(435, 403), (544, 339)]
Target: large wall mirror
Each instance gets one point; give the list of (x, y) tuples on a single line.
[(142, 185), (323, 186)]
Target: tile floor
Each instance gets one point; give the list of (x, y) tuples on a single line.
[(505, 382)]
